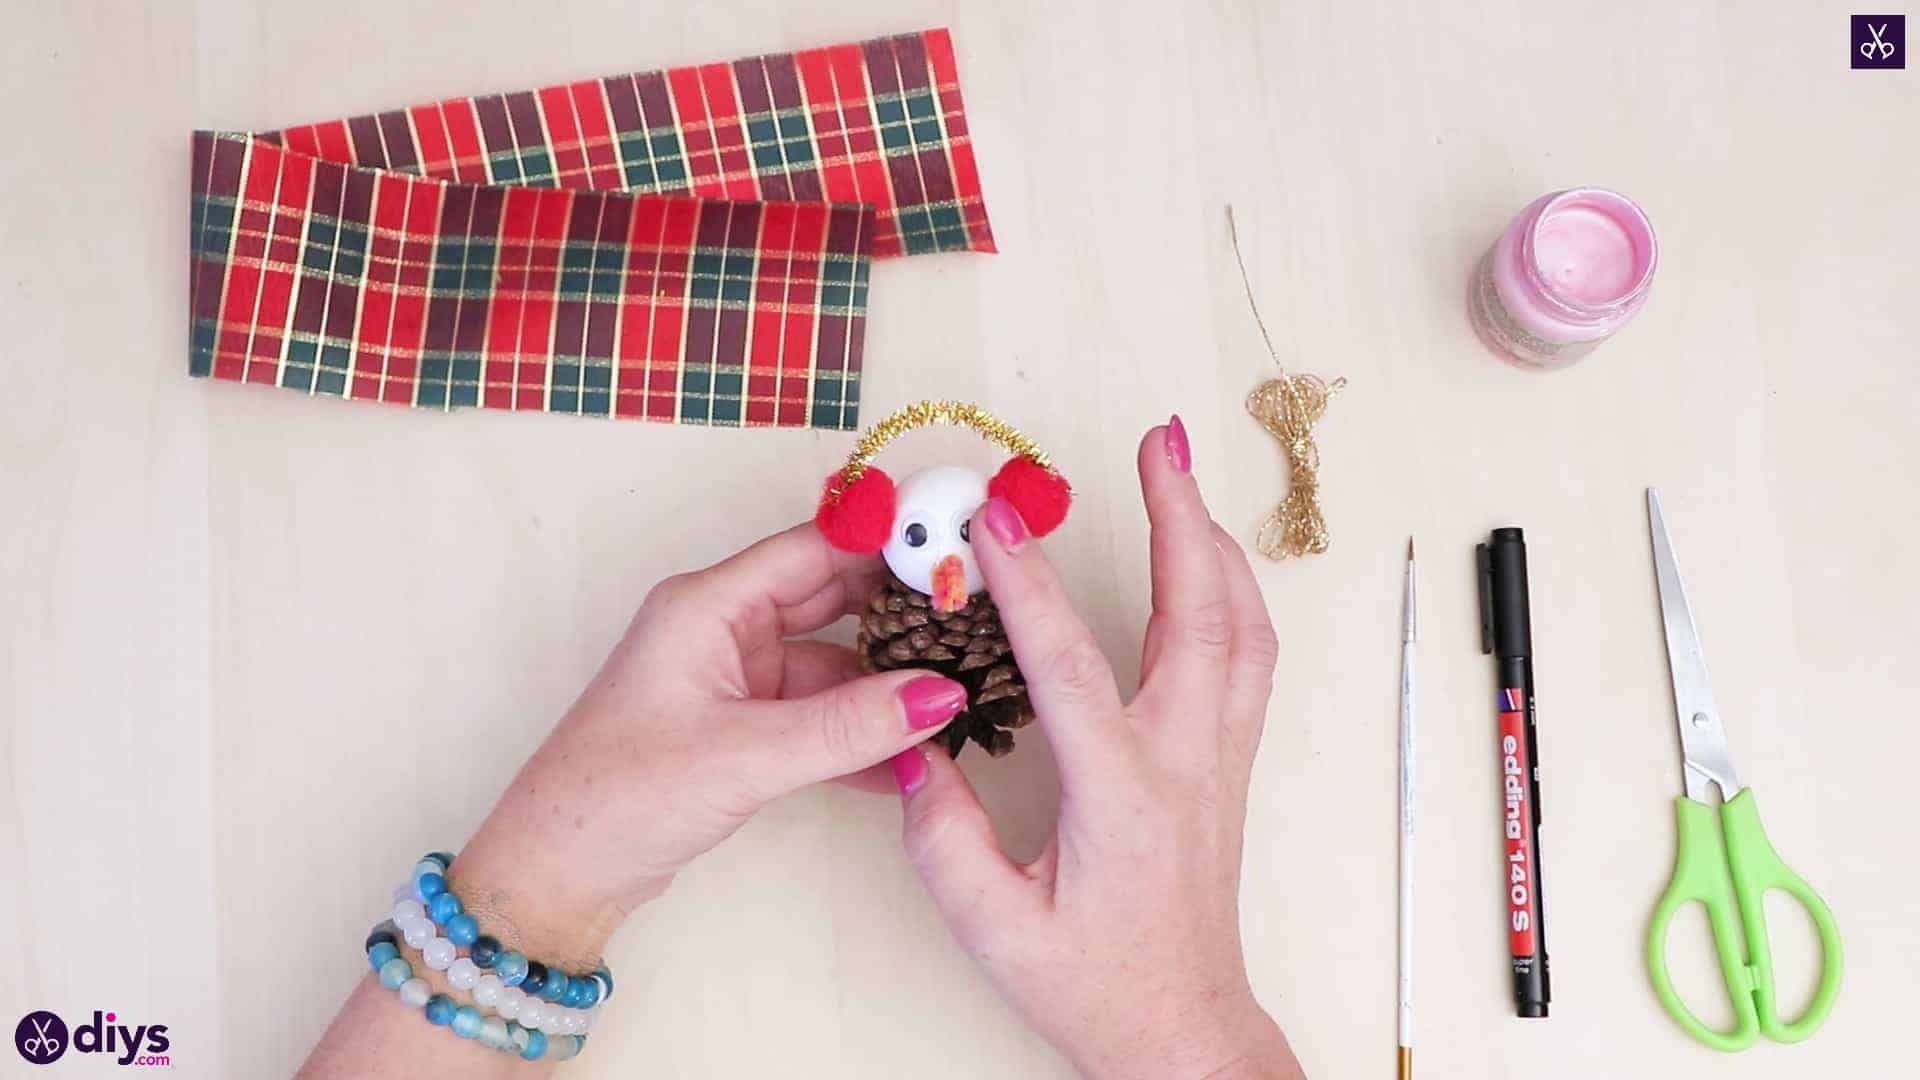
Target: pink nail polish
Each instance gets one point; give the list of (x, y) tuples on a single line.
[(1179, 454), (909, 770), (931, 701), (1003, 521)]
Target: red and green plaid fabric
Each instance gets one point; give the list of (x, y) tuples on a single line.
[(689, 245)]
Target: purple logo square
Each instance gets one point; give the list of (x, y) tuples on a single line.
[(1879, 41)]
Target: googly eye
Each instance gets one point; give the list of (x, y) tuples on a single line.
[(915, 535)]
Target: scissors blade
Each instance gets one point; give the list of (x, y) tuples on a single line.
[(1703, 740)]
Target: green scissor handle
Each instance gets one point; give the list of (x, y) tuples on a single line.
[(1729, 866)]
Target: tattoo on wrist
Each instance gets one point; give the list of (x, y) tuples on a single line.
[(572, 943)]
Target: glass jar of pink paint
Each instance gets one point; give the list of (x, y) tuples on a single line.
[(1570, 271)]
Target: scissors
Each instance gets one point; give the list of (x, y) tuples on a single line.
[(1724, 859), (41, 1045), (1885, 48)]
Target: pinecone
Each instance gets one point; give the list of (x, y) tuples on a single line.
[(901, 630)]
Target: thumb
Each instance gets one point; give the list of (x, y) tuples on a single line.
[(951, 844), (786, 745)]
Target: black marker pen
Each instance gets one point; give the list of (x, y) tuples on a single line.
[(1506, 631)]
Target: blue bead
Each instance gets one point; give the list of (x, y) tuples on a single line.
[(384, 932), (571, 999), (556, 989), (606, 977), (466, 1022), (589, 992), (394, 972), (536, 1044), (428, 886), (443, 857), (444, 907), (381, 952), (439, 1010), (511, 967), (536, 979), (462, 930), (485, 952)]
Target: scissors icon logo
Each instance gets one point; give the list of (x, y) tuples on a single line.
[(1884, 48), (41, 1037), (1879, 41)]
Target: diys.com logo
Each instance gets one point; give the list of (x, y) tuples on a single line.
[(43, 1038)]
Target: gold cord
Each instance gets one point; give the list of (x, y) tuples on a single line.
[(1289, 406), (922, 413)]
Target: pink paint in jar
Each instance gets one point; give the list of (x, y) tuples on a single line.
[(1570, 271)]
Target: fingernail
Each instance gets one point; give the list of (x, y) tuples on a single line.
[(931, 701), (1179, 454), (1003, 521), (909, 769)]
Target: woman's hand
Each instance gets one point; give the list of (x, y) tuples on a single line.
[(704, 713), (1121, 942)]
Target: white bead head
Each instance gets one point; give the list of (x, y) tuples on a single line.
[(928, 548)]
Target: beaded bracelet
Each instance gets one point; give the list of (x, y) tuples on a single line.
[(510, 988), (488, 988), (495, 1032), (443, 909), (538, 1012)]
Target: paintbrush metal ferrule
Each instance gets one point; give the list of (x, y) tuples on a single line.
[(1409, 609)]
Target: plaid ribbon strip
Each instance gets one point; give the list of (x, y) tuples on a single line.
[(689, 245)]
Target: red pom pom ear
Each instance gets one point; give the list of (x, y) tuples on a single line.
[(1040, 494), (860, 519)]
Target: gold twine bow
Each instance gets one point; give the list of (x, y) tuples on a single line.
[(1289, 406)]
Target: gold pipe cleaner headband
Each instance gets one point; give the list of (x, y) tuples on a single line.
[(924, 413)]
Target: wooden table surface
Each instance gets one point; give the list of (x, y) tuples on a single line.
[(259, 650)]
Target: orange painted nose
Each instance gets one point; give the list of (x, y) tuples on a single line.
[(949, 584)]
